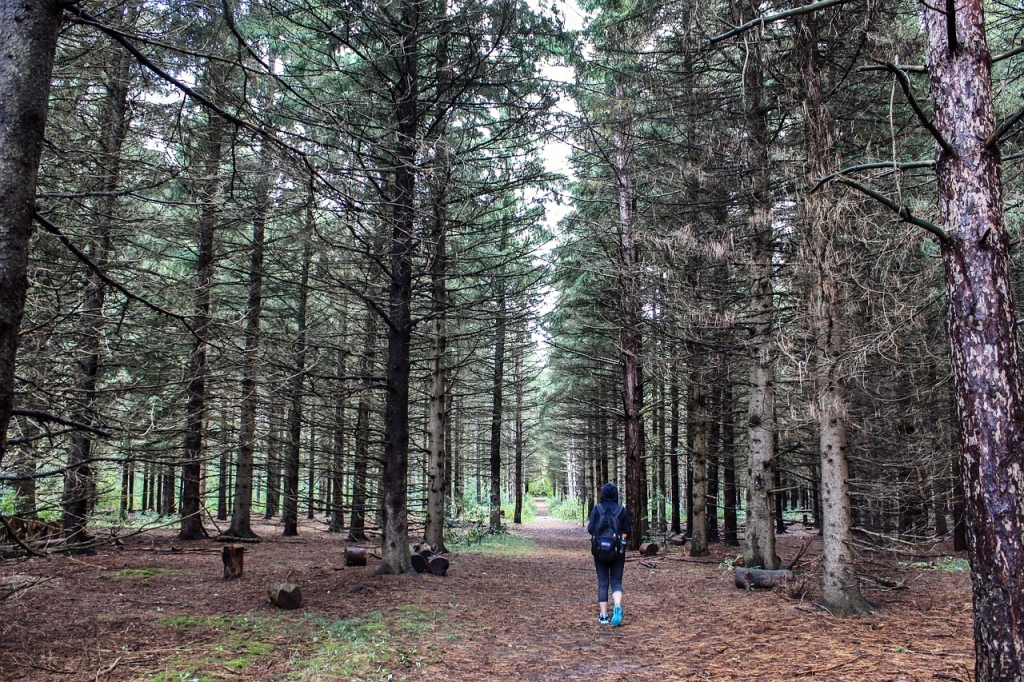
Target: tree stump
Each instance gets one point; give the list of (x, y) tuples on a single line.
[(437, 564), (285, 595), (649, 549), (748, 578), (355, 556), (232, 556), (419, 562)]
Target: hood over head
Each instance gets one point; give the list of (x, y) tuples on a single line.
[(609, 493)]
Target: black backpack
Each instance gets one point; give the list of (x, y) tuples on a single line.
[(605, 544)]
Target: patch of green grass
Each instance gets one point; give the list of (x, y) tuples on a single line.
[(376, 646), (497, 545), (953, 564), (219, 644), (945, 563), (368, 648), (143, 573)]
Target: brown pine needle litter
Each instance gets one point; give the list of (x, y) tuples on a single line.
[(528, 613)]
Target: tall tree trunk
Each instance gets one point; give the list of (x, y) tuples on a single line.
[(629, 315), (840, 588), (498, 391), (311, 475), (28, 33), (338, 447), (759, 540), (241, 516), (357, 523), (518, 386), (730, 494), (394, 479), (675, 527), (198, 365), (273, 462), (699, 454), (79, 478), (986, 368), (296, 388), (437, 419)]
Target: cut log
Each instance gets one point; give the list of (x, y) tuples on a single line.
[(424, 549), (748, 578), (438, 565), (678, 539), (232, 556), (355, 556), (649, 549), (419, 563), (285, 595)]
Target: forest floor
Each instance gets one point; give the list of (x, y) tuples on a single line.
[(521, 607)]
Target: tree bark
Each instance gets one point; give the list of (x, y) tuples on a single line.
[(519, 385), (241, 517), (629, 314), (394, 481), (498, 391), (79, 481), (357, 521), (337, 524), (840, 589), (28, 33), (699, 455), (759, 540), (673, 391), (730, 537), (290, 508), (986, 367), (198, 366)]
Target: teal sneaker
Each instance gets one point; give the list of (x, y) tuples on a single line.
[(617, 616), (603, 619)]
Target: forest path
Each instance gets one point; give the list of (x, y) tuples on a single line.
[(156, 608), (534, 617)]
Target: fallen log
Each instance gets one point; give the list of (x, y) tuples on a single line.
[(233, 558), (355, 556), (749, 578), (649, 549), (285, 595), (235, 539), (679, 539), (419, 563), (438, 565)]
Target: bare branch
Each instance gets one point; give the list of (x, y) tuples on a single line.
[(1003, 128), (42, 415), (55, 231), (1009, 53), (907, 68), (880, 165), (778, 16), (904, 81), (902, 211)]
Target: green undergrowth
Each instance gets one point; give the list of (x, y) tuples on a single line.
[(500, 544), (376, 646)]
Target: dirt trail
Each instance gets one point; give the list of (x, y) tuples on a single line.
[(531, 616)]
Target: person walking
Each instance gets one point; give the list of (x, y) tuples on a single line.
[(609, 526)]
